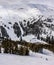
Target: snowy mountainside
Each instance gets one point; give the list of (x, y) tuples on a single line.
[(30, 21), (43, 8)]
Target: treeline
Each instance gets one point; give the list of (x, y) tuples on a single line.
[(37, 47), (22, 47), (50, 39), (12, 47)]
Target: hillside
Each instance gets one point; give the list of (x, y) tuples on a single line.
[(31, 23)]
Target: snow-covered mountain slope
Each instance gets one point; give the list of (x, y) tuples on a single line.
[(43, 8), (30, 19)]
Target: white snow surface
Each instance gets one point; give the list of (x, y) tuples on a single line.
[(33, 39), (47, 52), (33, 59)]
